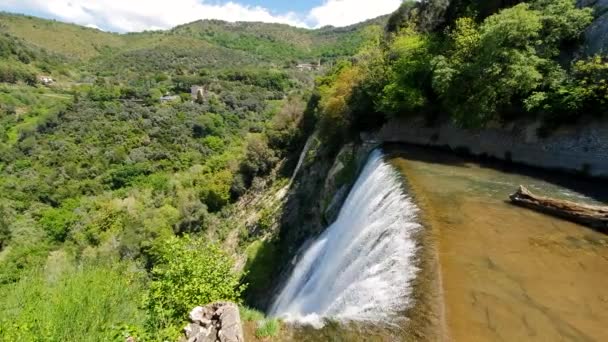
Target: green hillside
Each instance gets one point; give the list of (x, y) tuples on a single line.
[(270, 41), (107, 169)]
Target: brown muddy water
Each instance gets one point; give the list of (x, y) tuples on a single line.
[(504, 273)]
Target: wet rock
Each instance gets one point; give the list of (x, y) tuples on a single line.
[(215, 322)]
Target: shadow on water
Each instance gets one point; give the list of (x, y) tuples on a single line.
[(593, 188)]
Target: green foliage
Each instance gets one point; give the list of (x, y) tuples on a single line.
[(409, 69), (400, 17), (583, 91), (250, 315), (188, 273), (95, 166), (512, 50), (493, 63), (269, 79), (259, 159), (58, 221), (13, 73), (20, 258), (87, 303), (268, 328), (5, 232), (336, 91)]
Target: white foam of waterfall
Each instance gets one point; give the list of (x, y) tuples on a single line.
[(362, 266), (309, 142)]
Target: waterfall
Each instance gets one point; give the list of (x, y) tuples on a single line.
[(309, 142), (361, 267)]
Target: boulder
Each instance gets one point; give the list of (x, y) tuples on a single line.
[(219, 321)]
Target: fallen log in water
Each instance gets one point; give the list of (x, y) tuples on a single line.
[(589, 215)]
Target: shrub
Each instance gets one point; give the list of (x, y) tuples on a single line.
[(5, 232), (188, 273), (58, 221), (259, 159)]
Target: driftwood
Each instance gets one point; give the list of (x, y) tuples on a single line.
[(589, 215)]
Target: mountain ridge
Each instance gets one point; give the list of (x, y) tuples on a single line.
[(269, 40)]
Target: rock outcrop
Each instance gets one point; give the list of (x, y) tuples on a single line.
[(596, 35), (215, 322)]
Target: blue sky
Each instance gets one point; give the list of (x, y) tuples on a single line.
[(286, 6), (139, 15)]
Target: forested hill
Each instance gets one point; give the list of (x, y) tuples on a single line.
[(269, 42), (123, 160)]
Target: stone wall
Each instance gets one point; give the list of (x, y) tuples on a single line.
[(578, 149)]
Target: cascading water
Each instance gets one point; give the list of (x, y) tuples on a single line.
[(361, 267)]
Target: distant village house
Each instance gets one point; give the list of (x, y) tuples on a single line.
[(46, 80), (169, 98), (309, 66), (195, 89)]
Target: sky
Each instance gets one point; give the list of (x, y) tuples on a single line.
[(139, 15)]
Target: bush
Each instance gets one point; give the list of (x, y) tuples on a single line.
[(58, 221), (409, 72), (188, 273), (5, 232), (259, 159)]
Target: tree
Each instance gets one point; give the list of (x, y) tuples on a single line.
[(259, 158), (409, 71), (506, 61)]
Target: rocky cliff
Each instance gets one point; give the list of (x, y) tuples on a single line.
[(596, 35)]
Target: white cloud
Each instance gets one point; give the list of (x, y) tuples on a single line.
[(139, 15), (347, 12)]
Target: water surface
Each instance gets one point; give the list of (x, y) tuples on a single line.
[(509, 273)]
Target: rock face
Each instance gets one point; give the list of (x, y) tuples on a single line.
[(581, 148), (215, 322), (596, 35)]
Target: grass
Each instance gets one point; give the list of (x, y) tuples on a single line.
[(264, 327), (70, 303), (268, 328), (250, 315)]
